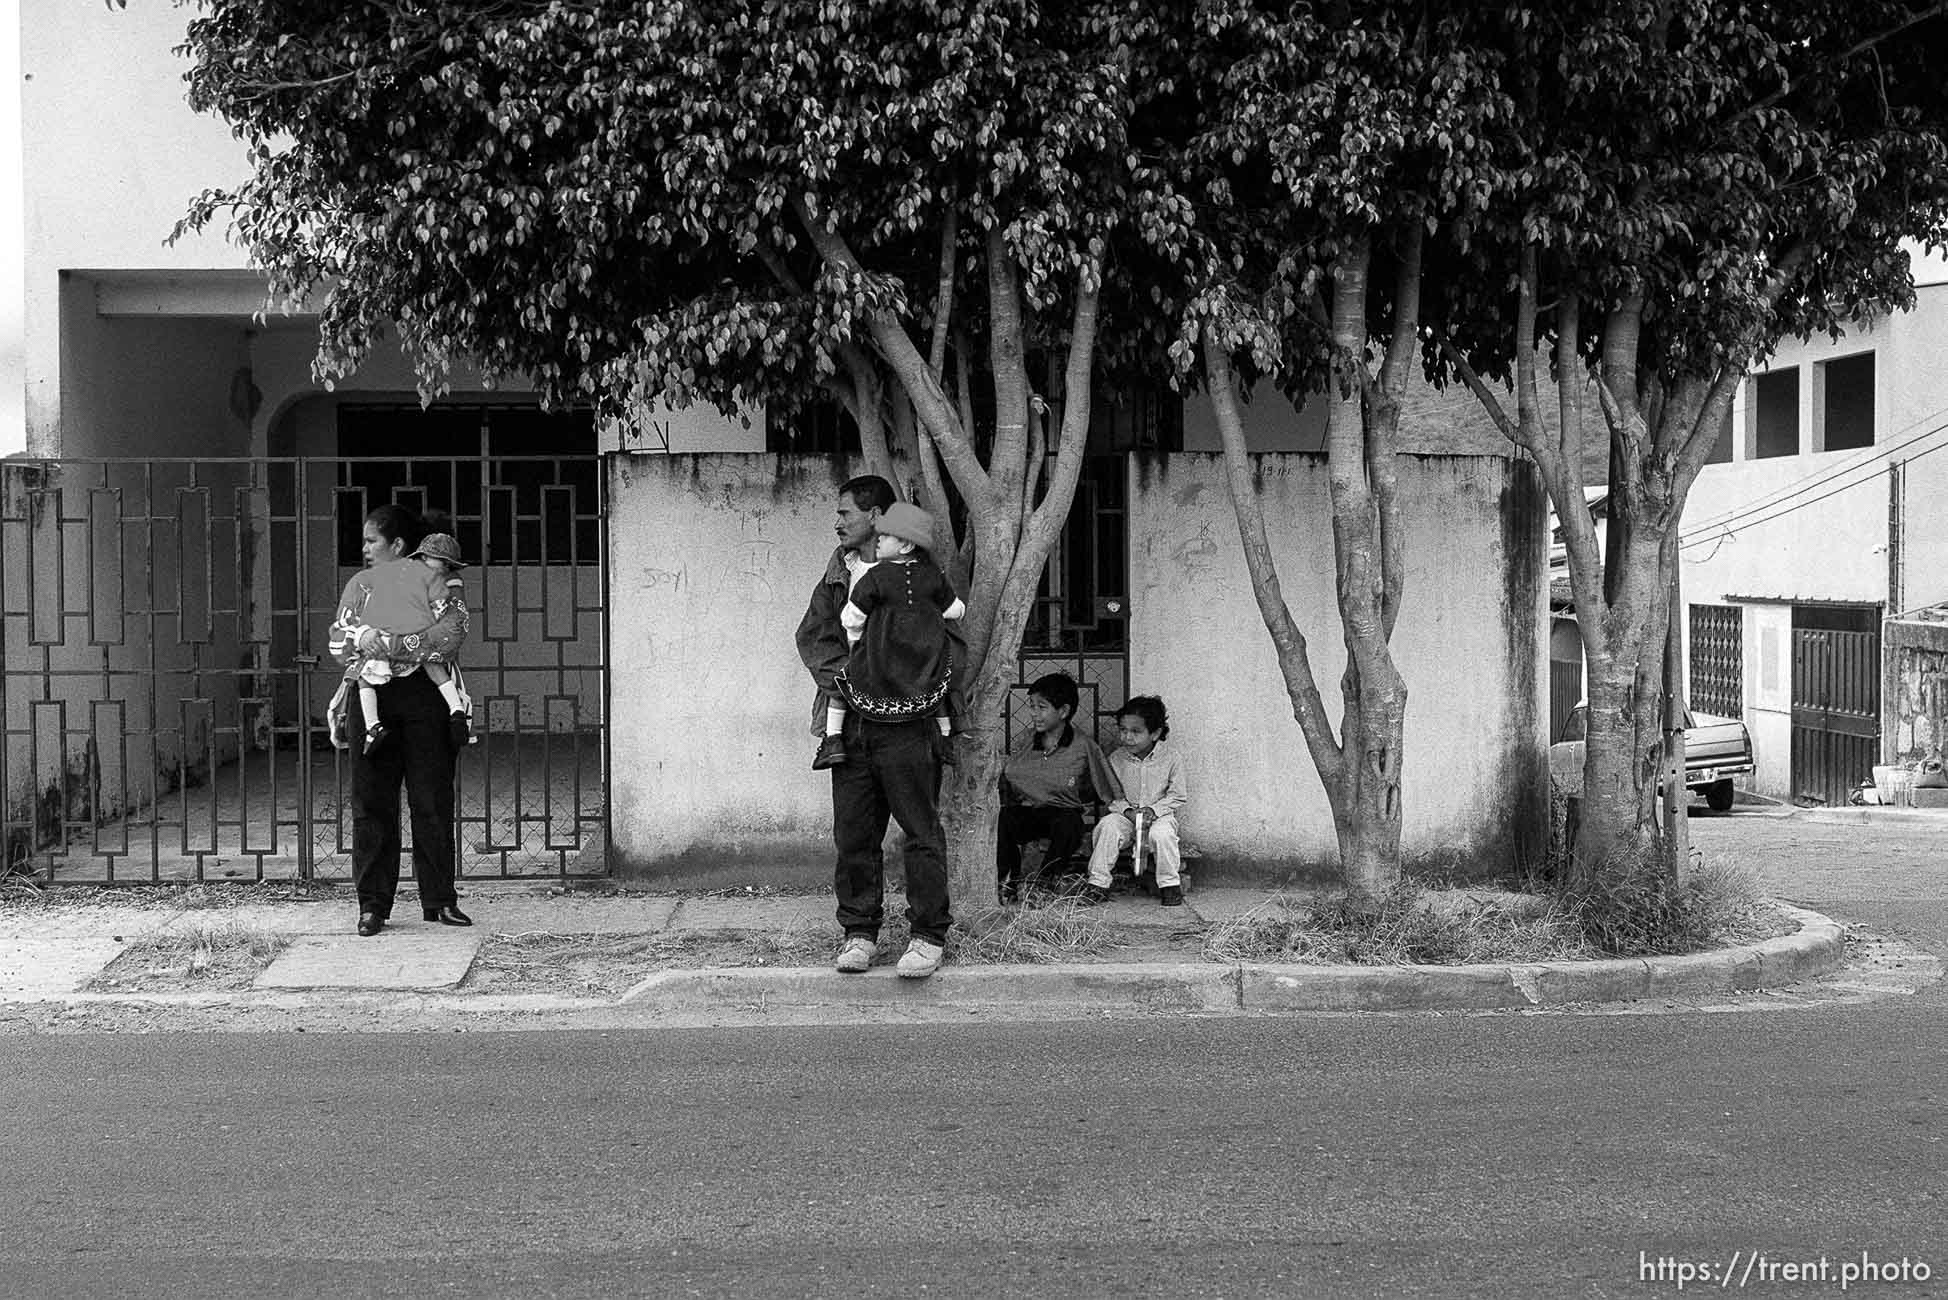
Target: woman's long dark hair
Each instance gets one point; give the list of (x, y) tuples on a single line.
[(398, 524)]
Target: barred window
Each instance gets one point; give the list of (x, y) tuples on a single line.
[(1718, 660), (521, 483)]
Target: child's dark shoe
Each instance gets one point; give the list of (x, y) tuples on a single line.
[(458, 733), (831, 753), (1091, 896), (1171, 895), (375, 736), (943, 751)]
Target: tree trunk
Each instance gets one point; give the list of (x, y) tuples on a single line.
[(1611, 817), (1625, 653), (970, 793), (1360, 770), (1366, 808)]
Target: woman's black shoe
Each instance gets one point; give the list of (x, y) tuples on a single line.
[(369, 924), (448, 915)]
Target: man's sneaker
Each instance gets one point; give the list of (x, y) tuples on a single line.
[(922, 959), (856, 954), (831, 753), (1171, 895)]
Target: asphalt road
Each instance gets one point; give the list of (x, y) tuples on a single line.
[(1411, 1155)]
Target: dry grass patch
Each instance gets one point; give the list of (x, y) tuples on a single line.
[(22, 895), (611, 964), (1635, 915), (1407, 928), (607, 965), (1057, 931), (1635, 912), (212, 956)]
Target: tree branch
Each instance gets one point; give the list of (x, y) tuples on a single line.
[(929, 401), (1294, 659), (943, 303)]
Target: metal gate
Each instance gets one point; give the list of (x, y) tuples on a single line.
[(163, 687), (1080, 620), (1835, 701)]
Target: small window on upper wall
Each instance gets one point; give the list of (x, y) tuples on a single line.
[(1847, 413), (1775, 411)]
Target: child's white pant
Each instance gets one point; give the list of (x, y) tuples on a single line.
[(1114, 832)]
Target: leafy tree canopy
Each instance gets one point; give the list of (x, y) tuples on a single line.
[(616, 198)]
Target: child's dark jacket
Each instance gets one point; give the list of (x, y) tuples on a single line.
[(903, 664)]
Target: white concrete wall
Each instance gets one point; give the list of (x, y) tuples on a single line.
[(712, 561), (13, 377), (714, 557), (111, 157), (1469, 643), (1768, 696)]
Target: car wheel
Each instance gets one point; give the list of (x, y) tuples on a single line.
[(1718, 796)]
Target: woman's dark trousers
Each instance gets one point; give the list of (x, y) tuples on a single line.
[(890, 771), (417, 751)]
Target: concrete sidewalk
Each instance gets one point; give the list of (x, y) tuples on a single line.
[(52, 955)]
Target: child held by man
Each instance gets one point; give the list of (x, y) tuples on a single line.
[(406, 595), (896, 623), (1151, 773)]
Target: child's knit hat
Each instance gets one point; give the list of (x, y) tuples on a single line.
[(907, 522), (440, 546)]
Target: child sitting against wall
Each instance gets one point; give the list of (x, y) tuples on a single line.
[(1048, 783), (406, 594), (1154, 791), (896, 623)]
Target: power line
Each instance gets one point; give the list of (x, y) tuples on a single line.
[(1788, 507), (1881, 452)]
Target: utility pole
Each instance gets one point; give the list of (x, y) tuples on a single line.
[(1896, 489), (1677, 796)]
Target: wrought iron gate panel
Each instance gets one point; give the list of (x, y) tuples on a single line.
[(162, 686), (1718, 660), (1835, 711), (1079, 623)]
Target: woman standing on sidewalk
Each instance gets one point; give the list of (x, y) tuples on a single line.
[(419, 750)]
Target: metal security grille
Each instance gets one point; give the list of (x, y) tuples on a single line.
[(1079, 623), (163, 685), (1835, 701), (1718, 660)]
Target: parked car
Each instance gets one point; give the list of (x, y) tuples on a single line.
[(1715, 751)]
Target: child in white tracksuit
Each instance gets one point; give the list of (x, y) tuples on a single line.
[(1155, 789)]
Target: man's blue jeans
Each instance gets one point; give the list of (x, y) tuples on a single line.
[(890, 771)]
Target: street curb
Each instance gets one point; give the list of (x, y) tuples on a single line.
[(1817, 947), (1193, 987)]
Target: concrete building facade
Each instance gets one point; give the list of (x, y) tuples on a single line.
[(1820, 517)]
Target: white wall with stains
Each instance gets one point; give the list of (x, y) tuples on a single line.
[(714, 557), (1469, 644)]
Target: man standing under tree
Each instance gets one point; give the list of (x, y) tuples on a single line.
[(891, 768)]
